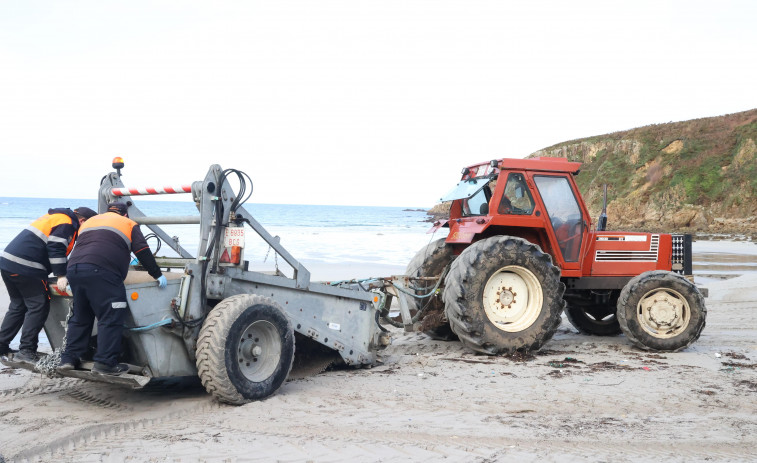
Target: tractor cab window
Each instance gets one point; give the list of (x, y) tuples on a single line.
[(516, 199), (564, 214), (475, 193), (478, 204)]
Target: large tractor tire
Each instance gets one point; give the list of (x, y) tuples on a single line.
[(431, 261), (591, 313), (661, 311), (245, 349), (503, 295)]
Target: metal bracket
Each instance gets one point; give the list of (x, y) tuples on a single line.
[(407, 319)]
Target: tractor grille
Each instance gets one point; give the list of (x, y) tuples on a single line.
[(681, 258), (631, 256)]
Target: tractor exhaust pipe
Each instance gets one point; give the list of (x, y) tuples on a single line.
[(602, 221)]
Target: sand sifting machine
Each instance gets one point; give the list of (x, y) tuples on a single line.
[(233, 327)]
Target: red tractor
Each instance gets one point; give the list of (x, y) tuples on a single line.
[(521, 249)]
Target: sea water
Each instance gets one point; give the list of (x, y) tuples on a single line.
[(335, 235), (367, 241), (354, 235)]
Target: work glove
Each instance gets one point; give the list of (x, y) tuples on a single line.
[(62, 283), (162, 282)]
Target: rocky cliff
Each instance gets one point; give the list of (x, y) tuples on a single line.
[(697, 176), (694, 176)]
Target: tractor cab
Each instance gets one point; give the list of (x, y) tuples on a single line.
[(533, 197)]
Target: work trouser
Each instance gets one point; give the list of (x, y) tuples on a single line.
[(30, 304), (98, 293)]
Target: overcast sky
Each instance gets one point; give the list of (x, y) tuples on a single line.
[(351, 102)]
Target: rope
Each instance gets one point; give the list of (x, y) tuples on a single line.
[(166, 321), (423, 296)]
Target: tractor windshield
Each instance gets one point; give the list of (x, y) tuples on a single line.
[(466, 188), (478, 204)]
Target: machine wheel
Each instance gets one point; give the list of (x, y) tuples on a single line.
[(245, 349), (589, 313), (502, 295), (430, 261), (661, 311)]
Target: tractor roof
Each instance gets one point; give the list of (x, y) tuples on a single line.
[(543, 164)]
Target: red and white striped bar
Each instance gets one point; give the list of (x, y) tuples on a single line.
[(166, 190)]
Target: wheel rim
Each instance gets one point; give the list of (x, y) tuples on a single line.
[(259, 351), (513, 298), (663, 313)]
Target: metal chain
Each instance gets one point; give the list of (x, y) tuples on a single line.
[(275, 257), (48, 364)]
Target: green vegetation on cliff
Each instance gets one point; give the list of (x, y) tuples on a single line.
[(699, 174)]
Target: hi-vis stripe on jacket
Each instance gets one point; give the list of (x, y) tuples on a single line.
[(107, 240), (43, 246)]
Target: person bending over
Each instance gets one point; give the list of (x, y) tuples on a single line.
[(96, 271), (25, 264)]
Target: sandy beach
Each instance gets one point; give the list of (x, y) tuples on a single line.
[(581, 398)]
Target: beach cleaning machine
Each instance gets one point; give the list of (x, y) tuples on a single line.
[(234, 328)]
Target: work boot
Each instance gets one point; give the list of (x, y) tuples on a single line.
[(27, 356), (115, 370), (7, 350), (66, 366)]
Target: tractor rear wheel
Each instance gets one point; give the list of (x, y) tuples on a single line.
[(661, 311), (593, 313), (245, 349), (431, 261), (502, 295)]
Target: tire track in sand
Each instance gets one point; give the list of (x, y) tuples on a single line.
[(129, 412)]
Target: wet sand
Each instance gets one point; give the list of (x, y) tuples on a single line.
[(581, 398)]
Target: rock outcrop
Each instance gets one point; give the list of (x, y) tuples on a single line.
[(694, 176)]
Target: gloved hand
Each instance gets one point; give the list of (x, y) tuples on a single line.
[(162, 282), (62, 283)]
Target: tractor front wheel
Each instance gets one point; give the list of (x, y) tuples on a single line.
[(661, 311), (502, 295), (245, 349)]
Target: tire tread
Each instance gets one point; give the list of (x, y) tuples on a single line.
[(462, 274), (211, 346), (626, 307)]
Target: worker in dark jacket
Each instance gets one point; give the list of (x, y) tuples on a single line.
[(97, 270), (25, 264)]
